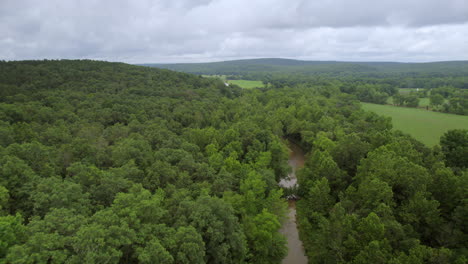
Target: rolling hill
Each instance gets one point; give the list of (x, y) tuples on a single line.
[(276, 65)]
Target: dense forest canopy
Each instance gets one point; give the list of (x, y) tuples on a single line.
[(401, 74), (113, 163), (239, 67), (375, 82)]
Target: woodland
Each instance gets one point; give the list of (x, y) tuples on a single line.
[(446, 83), (113, 163)]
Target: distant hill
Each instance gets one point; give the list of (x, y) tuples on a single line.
[(272, 65), (29, 77)]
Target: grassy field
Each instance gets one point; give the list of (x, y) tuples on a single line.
[(423, 102), (426, 126), (222, 77), (246, 83), (408, 90)]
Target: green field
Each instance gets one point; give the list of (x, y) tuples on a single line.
[(408, 90), (246, 83), (423, 102), (426, 126), (222, 77)]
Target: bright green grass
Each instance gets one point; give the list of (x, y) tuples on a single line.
[(426, 126), (423, 102), (247, 84), (222, 77), (408, 90)]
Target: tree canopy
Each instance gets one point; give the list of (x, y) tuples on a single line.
[(113, 163)]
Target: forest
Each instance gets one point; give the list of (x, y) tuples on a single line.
[(114, 163), (374, 82)]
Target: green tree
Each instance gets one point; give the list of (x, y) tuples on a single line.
[(220, 229), (253, 190), (321, 165), (348, 152), (454, 145), (56, 193), (19, 179), (374, 252), (154, 252), (12, 232), (404, 177), (319, 199), (266, 243), (48, 240), (398, 99), (4, 197), (371, 194), (130, 148), (436, 99), (96, 243), (190, 247), (412, 101)]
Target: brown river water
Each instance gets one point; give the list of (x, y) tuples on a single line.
[(296, 253)]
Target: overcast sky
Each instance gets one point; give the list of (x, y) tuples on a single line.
[(159, 31)]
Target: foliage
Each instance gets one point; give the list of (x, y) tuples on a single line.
[(454, 144), (112, 148), (392, 202), (113, 163)]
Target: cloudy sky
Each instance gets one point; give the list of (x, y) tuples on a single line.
[(159, 31)]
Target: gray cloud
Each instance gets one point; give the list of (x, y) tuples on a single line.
[(208, 30)]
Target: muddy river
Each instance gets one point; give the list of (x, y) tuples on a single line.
[(296, 253)]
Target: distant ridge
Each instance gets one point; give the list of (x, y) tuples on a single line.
[(264, 65), (271, 61), (295, 62)]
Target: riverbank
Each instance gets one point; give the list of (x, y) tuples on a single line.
[(296, 254)]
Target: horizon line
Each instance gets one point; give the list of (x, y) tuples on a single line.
[(303, 60)]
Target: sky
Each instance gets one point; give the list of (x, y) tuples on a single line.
[(169, 31)]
